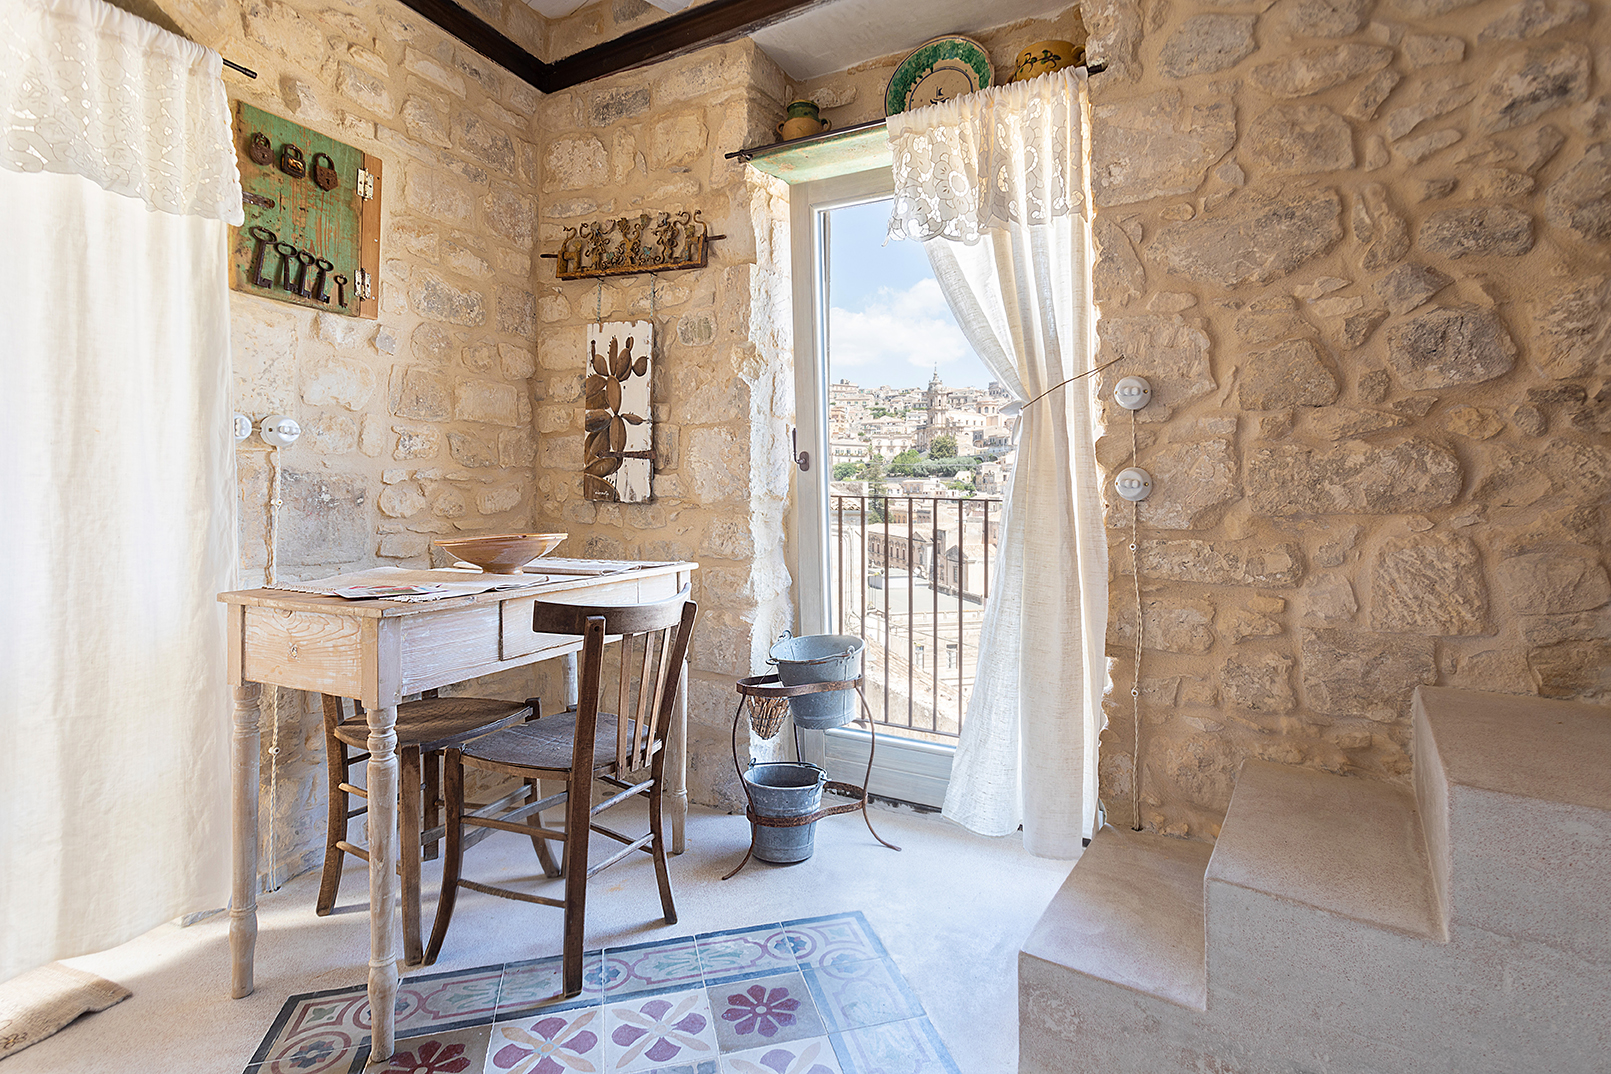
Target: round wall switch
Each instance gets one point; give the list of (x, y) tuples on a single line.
[(279, 430), (1132, 393), (1133, 484)]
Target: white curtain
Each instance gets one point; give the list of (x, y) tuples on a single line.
[(117, 179), (994, 185)]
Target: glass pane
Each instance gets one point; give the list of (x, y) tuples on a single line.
[(920, 453)]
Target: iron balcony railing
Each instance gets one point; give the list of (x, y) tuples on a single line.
[(910, 575)]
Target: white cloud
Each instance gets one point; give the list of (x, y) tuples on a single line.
[(896, 333)]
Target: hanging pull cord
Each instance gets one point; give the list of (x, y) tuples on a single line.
[(1071, 380), (1135, 678)]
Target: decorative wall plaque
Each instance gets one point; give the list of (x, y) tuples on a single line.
[(312, 230), (621, 246), (618, 458)]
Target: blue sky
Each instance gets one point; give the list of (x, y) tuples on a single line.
[(887, 321)]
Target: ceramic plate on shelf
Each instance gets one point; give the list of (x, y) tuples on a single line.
[(939, 70)]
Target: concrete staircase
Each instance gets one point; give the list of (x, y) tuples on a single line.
[(1344, 926)]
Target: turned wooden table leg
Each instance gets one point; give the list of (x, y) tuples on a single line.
[(676, 793), (382, 823), (244, 777)]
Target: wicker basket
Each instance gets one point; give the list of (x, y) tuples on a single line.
[(767, 715)]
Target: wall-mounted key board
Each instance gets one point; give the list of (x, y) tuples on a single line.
[(312, 231)]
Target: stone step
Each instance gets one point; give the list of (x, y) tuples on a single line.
[(1130, 914), (1516, 795), (1349, 847)]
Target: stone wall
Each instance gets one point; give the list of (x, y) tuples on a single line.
[(1360, 248), (857, 95), (648, 141), (418, 424)]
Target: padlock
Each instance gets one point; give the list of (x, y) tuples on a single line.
[(325, 174), (291, 162), (259, 149)]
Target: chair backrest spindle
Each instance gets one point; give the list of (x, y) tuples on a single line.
[(644, 719)]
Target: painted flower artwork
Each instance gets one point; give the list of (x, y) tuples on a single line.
[(617, 460)]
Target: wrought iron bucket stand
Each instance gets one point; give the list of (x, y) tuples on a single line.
[(768, 699)]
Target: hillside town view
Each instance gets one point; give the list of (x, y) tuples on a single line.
[(915, 505)]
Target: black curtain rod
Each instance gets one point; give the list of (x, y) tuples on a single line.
[(232, 65)]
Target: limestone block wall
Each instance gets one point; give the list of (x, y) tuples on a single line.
[(418, 424), (854, 96), (1361, 248), (650, 141)]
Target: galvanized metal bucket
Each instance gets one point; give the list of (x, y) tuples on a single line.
[(783, 790), (819, 658)]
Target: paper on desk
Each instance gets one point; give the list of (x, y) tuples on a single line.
[(560, 565), (436, 585)]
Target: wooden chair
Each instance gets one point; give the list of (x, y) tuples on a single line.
[(622, 745), (424, 729)]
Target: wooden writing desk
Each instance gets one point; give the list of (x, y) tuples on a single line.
[(378, 651)]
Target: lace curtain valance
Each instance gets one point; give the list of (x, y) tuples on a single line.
[(1010, 154), (89, 90)]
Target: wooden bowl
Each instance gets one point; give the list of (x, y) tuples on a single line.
[(502, 553)]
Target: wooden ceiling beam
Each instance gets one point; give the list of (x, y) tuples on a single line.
[(711, 23), (694, 28)]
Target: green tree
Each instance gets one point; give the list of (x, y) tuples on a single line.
[(905, 464), (844, 471), (943, 447), (873, 474)]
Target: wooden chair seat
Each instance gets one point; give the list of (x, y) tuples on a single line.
[(424, 729), (434, 723), (545, 745)]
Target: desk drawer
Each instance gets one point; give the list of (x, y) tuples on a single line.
[(304, 650), (516, 637)]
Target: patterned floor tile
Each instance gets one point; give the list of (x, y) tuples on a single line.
[(456, 1051), (548, 1043), (823, 941), (813, 1055), (906, 1047), (539, 983), (760, 1010), (745, 952), (661, 966), (646, 1033), (854, 994), (321, 1031), (690, 1005), (447, 999)]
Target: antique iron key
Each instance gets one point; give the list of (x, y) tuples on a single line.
[(264, 238)]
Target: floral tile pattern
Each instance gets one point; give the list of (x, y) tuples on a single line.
[(548, 1043), (456, 1051), (647, 1033), (759, 1010), (855, 994), (745, 952), (813, 996), (814, 1055)]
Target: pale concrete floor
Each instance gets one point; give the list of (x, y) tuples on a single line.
[(952, 909)]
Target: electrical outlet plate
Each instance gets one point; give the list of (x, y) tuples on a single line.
[(1132, 393)]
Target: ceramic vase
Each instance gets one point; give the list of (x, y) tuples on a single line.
[(801, 120)]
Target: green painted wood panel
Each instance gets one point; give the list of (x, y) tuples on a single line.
[(323, 222)]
